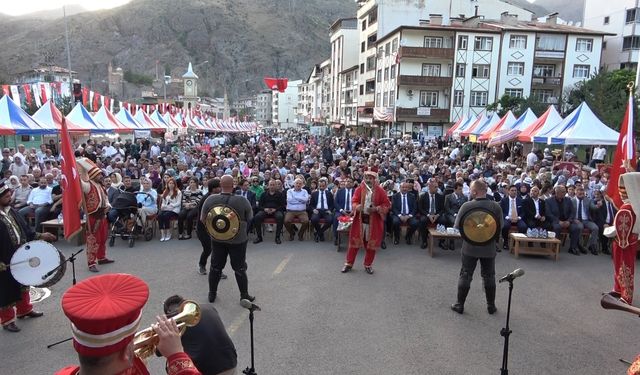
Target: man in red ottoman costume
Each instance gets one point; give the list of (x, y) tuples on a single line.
[(105, 313), (371, 205)]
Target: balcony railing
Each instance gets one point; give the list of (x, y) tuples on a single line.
[(546, 81), (423, 52), (422, 113), (542, 54), (425, 81)]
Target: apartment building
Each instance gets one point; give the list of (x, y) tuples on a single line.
[(263, 108), (285, 106), (344, 36), (620, 19), (431, 75)]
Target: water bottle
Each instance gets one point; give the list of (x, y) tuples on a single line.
[(60, 218)]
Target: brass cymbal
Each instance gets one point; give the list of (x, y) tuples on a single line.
[(479, 227), (222, 223)]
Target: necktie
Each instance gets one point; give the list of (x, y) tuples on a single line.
[(347, 204), (405, 209), (610, 209), (432, 205), (536, 204), (514, 211), (322, 199), (579, 209)]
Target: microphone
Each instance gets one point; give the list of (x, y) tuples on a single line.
[(515, 274), (49, 273), (249, 305)]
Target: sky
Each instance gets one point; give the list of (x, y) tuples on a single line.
[(17, 8)]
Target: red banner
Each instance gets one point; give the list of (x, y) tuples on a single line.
[(43, 93), (85, 96), (70, 183), (6, 90), (27, 94), (96, 102), (625, 156)]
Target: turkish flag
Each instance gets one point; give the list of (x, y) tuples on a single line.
[(70, 183), (625, 155), (279, 84)]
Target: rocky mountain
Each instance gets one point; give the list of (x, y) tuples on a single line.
[(568, 10), (242, 40)]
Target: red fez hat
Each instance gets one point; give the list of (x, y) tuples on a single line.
[(371, 172), (105, 312)]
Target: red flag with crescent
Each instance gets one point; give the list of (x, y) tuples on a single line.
[(625, 154), (70, 183), (279, 84)]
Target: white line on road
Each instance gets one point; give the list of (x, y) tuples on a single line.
[(237, 323), (282, 265)]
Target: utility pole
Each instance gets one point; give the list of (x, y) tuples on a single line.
[(66, 34)]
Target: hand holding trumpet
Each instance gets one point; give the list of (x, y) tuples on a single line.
[(169, 342)]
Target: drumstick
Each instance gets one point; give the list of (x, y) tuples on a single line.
[(21, 262)]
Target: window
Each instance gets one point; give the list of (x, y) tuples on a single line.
[(394, 45), (604, 45), (363, 47), (581, 71), (364, 25), (483, 43), (362, 68), (432, 42), (431, 70), (387, 49), (385, 100), (371, 63), (544, 70), (458, 98), (606, 20), (392, 98), (632, 15), (379, 75), (543, 96), (373, 16), (515, 68), (584, 45), (378, 100), (361, 89), (479, 98), (370, 86), (371, 41), (462, 41), (386, 74), (631, 42), (428, 98), (393, 71), (460, 69), (518, 41), (514, 93), (380, 51), (480, 71), (550, 42)]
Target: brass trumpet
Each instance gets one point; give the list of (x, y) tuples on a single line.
[(145, 341)]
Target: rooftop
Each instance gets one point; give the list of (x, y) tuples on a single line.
[(47, 69)]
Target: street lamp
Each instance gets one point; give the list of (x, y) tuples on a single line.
[(167, 80)]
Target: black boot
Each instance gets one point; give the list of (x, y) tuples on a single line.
[(243, 285), (491, 299), (462, 297), (214, 280)]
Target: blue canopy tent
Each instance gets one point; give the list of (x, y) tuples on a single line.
[(15, 121), (580, 127)]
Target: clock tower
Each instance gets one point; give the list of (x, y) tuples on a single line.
[(190, 80)]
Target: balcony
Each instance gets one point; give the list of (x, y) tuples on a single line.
[(547, 81), (542, 54), (406, 80), (422, 114), (422, 52)]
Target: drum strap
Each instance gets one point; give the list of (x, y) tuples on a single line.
[(12, 225)]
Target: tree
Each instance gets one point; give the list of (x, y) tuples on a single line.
[(606, 94), (517, 105)]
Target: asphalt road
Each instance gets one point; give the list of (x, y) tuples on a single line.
[(315, 320)]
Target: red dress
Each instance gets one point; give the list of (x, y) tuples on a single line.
[(178, 364), (625, 247)]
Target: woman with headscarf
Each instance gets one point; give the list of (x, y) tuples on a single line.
[(13, 182)]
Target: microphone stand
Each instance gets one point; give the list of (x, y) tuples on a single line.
[(506, 332), (251, 371), (72, 260)]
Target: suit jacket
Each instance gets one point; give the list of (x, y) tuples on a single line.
[(505, 204), (600, 214), (341, 199), (586, 203), (313, 203), (554, 208), (424, 204), (452, 203), (251, 197), (396, 204), (529, 211)]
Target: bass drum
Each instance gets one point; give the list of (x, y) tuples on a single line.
[(33, 263)]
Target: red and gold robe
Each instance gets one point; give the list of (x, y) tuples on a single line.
[(625, 247), (376, 219), (178, 364)]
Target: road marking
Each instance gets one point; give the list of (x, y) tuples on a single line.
[(237, 323), (282, 265)]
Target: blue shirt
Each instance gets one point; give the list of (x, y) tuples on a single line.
[(146, 200)]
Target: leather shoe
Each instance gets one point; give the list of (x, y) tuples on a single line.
[(316, 238), (573, 251), (408, 240), (257, 240), (396, 241), (346, 268), (593, 250), (321, 237), (32, 314), (105, 261), (278, 240), (582, 249), (248, 297), (368, 270), (423, 245), (383, 245), (11, 327), (292, 236), (335, 241), (498, 249), (491, 309), (212, 297), (605, 250), (93, 268), (458, 307)]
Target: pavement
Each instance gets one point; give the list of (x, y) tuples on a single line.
[(316, 320)]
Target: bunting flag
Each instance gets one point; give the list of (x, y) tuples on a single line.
[(110, 105), (6, 90), (70, 183), (43, 93), (36, 95), (15, 95), (85, 96), (27, 94), (47, 90), (91, 95), (95, 102), (624, 158)]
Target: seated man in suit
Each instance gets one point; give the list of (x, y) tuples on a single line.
[(533, 210), (512, 212), (321, 207), (272, 204), (431, 207), (403, 210), (342, 205), (583, 220), (561, 215), (452, 204)]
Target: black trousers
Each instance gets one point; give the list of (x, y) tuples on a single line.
[(205, 241), (487, 271), (237, 254), (259, 219), (325, 215), (424, 225), (186, 216)]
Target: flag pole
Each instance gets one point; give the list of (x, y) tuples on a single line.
[(66, 36)]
